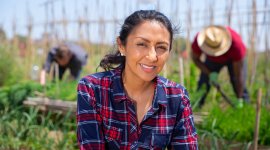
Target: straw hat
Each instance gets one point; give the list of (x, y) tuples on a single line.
[(214, 40)]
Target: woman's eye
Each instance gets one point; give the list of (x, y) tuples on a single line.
[(163, 48), (141, 44)]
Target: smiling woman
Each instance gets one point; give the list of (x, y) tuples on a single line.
[(130, 106)]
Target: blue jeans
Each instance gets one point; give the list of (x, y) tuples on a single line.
[(216, 67)]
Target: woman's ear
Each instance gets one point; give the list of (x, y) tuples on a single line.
[(120, 46)]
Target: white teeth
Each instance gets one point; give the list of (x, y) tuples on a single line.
[(148, 67)]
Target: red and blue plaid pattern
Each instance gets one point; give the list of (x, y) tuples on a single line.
[(106, 117)]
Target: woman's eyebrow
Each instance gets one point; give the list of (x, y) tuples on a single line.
[(161, 42), (143, 38)]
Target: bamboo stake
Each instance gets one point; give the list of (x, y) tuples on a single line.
[(87, 31), (30, 52), (181, 70), (115, 18), (253, 41), (239, 19), (52, 24), (267, 55), (266, 71), (14, 27), (258, 115), (211, 11), (158, 5), (188, 47), (46, 42), (56, 78), (205, 18), (64, 21), (229, 11), (165, 71)]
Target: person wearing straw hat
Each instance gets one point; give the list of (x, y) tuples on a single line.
[(222, 46)]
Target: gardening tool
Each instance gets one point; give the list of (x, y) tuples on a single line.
[(228, 100)]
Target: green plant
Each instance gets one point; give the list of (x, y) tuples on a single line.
[(236, 125), (67, 90), (23, 128)]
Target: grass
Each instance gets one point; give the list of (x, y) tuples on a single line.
[(228, 128), (23, 128)]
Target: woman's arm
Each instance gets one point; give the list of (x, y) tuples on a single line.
[(89, 131)]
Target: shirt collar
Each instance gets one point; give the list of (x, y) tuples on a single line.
[(119, 94), (118, 89)]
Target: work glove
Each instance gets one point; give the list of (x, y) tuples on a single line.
[(213, 78), (240, 103)]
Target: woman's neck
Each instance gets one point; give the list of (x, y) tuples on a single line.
[(138, 91)]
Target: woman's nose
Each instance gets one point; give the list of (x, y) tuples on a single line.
[(152, 54)]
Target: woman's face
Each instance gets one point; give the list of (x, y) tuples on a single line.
[(146, 51)]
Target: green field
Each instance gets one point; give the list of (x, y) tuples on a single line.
[(28, 128)]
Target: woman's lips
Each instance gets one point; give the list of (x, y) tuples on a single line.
[(147, 68)]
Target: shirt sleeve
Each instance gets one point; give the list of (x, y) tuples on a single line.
[(75, 68), (79, 52), (49, 60), (89, 132), (195, 47), (184, 136), (238, 48)]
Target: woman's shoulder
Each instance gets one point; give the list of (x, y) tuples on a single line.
[(98, 77), (169, 83), (176, 94), (173, 89)]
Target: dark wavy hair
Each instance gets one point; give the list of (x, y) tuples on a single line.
[(135, 19)]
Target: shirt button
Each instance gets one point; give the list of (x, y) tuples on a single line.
[(135, 143)]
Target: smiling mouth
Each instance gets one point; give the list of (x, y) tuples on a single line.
[(147, 68)]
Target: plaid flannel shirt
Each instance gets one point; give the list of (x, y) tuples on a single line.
[(106, 117)]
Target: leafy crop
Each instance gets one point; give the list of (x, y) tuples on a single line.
[(235, 125)]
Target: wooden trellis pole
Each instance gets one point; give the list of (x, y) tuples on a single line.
[(258, 116), (14, 31), (267, 55), (253, 42), (87, 24), (211, 11), (30, 52), (239, 20), (266, 70), (115, 17), (188, 46), (205, 16), (45, 36), (229, 8), (64, 21)]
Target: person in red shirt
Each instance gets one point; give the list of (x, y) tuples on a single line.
[(222, 46)]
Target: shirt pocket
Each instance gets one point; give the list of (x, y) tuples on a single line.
[(112, 133), (160, 140)]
